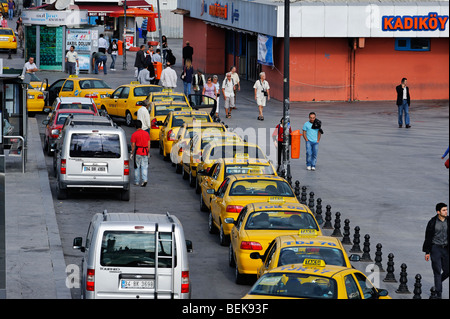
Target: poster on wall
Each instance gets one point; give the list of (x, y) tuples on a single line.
[(265, 50)]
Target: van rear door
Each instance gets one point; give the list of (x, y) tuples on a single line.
[(136, 263)]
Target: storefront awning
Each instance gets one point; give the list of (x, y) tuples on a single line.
[(181, 11), (134, 12)]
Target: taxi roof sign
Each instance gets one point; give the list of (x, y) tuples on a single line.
[(308, 262), (73, 76), (307, 232), (276, 199), (135, 82)]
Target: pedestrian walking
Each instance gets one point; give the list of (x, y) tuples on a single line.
[(139, 61), (164, 47), (278, 138), (156, 57), (262, 94), (3, 22), (186, 76), (140, 146), (217, 85), (143, 115), (72, 60), (311, 134), (237, 84), (168, 77), (144, 30), (19, 29), (114, 53), (102, 44), (209, 89), (403, 103), (97, 59), (228, 87), (435, 246), (11, 7), (144, 77), (198, 81), (188, 52), (443, 157)]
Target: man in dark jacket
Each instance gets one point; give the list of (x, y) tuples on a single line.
[(188, 52), (139, 62), (436, 246), (403, 103)]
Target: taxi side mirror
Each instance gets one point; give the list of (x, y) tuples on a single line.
[(256, 255), (159, 123), (78, 244), (354, 257), (47, 109), (383, 292), (229, 220), (202, 172), (211, 191)]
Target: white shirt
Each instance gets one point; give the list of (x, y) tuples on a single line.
[(169, 78), (156, 58), (228, 87), (29, 66), (71, 56), (144, 116), (259, 88), (102, 43), (405, 96), (144, 77)]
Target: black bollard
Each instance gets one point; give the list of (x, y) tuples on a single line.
[(311, 202), (356, 248), (289, 179), (390, 277), (346, 239), (366, 249), (327, 224), (418, 287), (403, 288), (378, 258), (297, 190), (9, 54), (433, 293), (319, 211), (303, 198), (337, 225)]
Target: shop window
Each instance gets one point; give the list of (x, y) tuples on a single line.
[(412, 44)]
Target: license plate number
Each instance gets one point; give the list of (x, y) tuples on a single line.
[(94, 169), (137, 284)]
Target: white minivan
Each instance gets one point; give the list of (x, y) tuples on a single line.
[(93, 156), (134, 255)]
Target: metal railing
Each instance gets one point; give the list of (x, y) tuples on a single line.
[(22, 153)]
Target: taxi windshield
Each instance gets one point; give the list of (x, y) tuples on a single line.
[(93, 84), (280, 220), (179, 120), (261, 187), (295, 285), (297, 254), (235, 151), (135, 249), (248, 169), (166, 109), (190, 131), (176, 98), (146, 90), (218, 137)]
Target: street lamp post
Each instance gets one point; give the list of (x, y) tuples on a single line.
[(286, 166), (159, 28), (124, 44)]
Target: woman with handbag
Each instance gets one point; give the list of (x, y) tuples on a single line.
[(186, 76)]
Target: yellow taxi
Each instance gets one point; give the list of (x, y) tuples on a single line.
[(237, 191), (158, 112), (314, 279), (35, 82), (183, 140), (35, 100), (127, 99), (94, 88), (174, 120), (166, 96), (213, 177), (294, 249), (8, 40), (258, 224)]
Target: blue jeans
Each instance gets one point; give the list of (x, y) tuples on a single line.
[(187, 88), (404, 108), (98, 61), (11, 13), (312, 148), (113, 63), (140, 172)]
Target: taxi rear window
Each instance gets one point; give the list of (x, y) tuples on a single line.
[(165, 109), (146, 90), (280, 220), (195, 130), (95, 145), (6, 32), (136, 249), (78, 106), (248, 169), (179, 120), (260, 187), (297, 254), (63, 116), (209, 139), (296, 285), (93, 84), (235, 151)]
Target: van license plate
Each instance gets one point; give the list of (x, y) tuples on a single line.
[(101, 169), (137, 284)]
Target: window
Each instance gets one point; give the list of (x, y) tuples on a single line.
[(412, 44), (125, 93), (68, 86), (351, 287), (146, 90), (95, 145)]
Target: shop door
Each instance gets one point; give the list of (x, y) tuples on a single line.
[(30, 42), (51, 48), (254, 68)]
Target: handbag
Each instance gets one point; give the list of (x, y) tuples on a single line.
[(446, 163)]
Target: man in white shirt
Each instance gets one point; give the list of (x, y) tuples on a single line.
[(228, 87), (156, 57), (102, 44), (30, 66), (143, 115), (168, 77), (236, 81), (71, 60)]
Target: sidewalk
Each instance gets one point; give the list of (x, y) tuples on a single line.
[(35, 264)]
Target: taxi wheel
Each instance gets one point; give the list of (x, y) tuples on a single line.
[(192, 180), (231, 260), (224, 239), (240, 279), (178, 168), (184, 174), (211, 228), (61, 193), (104, 109), (198, 189), (128, 119), (203, 207)]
